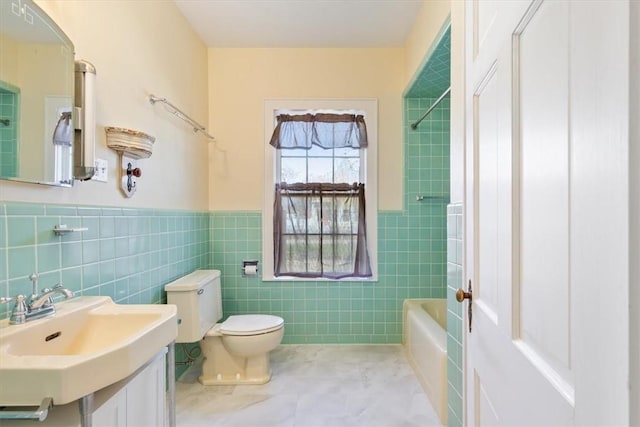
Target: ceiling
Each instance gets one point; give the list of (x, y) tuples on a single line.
[(301, 23)]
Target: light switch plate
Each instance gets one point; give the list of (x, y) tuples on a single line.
[(101, 170)]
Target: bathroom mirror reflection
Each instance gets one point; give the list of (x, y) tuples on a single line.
[(36, 96)]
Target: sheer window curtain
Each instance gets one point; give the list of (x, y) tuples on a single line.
[(319, 229)]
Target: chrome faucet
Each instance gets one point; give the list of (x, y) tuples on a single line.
[(44, 299), (37, 306)]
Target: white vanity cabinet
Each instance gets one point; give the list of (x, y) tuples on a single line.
[(140, 402), (137, 401)]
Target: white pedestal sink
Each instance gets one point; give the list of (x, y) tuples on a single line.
[(88, 344)]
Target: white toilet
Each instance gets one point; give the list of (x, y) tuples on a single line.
[(235, 351)]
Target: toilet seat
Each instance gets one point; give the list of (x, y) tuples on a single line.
[(250, 324)]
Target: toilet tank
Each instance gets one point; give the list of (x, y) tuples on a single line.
[(198, 297)]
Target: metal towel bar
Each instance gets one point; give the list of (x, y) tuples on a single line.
[(197, 127), (62, 229), (39, 414), (420, 198)]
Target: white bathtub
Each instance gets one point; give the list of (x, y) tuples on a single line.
[(425, 342)]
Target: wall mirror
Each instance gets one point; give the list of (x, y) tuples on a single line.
[(36, 96)]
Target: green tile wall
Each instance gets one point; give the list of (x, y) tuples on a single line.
[(331, 312), (127, 254), (427, 156), (455, 327)]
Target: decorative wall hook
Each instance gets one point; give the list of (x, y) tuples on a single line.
[(128, 175), (131, 172)]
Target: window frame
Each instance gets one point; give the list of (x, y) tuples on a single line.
[(361, 156), (369, 162)]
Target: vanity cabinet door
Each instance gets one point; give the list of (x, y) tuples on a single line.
[(113, 412), (140, 403), (146, 397)]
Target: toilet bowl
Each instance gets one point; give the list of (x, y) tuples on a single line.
[(235, 351)]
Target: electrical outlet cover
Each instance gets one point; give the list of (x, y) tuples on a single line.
[(101, 170)]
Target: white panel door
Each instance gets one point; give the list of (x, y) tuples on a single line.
[(547, 212)]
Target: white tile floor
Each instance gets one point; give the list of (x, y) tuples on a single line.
[(315, 385)]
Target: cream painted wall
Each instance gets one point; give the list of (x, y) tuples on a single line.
[(138, 48), (426, 27), (241, 79)]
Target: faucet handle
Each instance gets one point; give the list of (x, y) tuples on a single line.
[(34, 279), (17, 299), (19, 312)]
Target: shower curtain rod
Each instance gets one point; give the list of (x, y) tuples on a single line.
[(197, 127), (414, 126)]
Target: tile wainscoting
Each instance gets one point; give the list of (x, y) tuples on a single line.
[(412, 263), (127, 254)]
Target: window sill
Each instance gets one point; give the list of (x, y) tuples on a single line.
[(318, 279)]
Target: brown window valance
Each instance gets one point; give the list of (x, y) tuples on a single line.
[(324, 130)]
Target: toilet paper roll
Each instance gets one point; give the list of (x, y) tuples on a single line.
[(251, 270)]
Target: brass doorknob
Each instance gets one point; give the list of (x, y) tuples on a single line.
[(461, 295)]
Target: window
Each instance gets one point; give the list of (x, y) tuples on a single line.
[(314, 197), (319, 165)]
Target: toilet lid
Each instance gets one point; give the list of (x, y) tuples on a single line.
[(251, 324)]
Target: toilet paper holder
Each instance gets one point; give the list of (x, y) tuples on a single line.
[(249, 268)]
